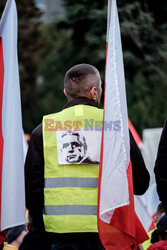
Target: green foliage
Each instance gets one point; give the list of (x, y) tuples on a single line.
[(54, 63), (145, 58), (79, 36)]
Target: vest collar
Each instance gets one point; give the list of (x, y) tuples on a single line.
[(79, 101)]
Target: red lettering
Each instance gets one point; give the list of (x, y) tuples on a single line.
[(77, 123), (67, 125), (48, 125), (58, 125)]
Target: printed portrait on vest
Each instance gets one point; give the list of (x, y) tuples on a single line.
[(74, 147)]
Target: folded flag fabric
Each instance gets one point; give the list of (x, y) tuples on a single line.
[(12, 194)]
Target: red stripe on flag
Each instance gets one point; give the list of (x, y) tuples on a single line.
[(135, 134), (125, 229), (1, 100), (125, 218)]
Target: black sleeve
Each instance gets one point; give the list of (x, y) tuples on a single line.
[(160, 169), (141, 176), (34, 177)]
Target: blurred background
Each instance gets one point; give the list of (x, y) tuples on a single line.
[(56, 34), (53, 35)]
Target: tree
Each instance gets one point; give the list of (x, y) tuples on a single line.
[(71, 39), (80, 35), (145, 56), (53, 65)]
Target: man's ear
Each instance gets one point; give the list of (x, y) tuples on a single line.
[(65, 92), (93, 93)]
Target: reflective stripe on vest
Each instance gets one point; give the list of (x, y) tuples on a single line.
[(71, 182), (71, 210), (70, 193)]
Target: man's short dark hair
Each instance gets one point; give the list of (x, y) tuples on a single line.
[(76, 81), (162, 228), (160, 209)]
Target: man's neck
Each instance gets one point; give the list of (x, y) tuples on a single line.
[(79, 101)]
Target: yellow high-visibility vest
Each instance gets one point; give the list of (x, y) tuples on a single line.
[(70, 192), (147, 243)]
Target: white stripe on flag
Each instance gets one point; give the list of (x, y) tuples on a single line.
[(114, 184), (13, 194)]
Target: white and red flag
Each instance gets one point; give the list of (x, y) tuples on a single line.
[(12, 194), (118, 225)]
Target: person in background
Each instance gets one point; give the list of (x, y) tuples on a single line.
[(162, 235), (15, 237), (32, 240), (159, 214), (153, 237), (160, 168)]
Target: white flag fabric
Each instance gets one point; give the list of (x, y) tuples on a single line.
[(12, 175), (114, 184), (146, 206)]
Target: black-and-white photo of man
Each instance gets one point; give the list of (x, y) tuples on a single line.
[(74, 148)]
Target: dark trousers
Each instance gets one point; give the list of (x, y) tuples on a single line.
[(51, 241), (87, 245)]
